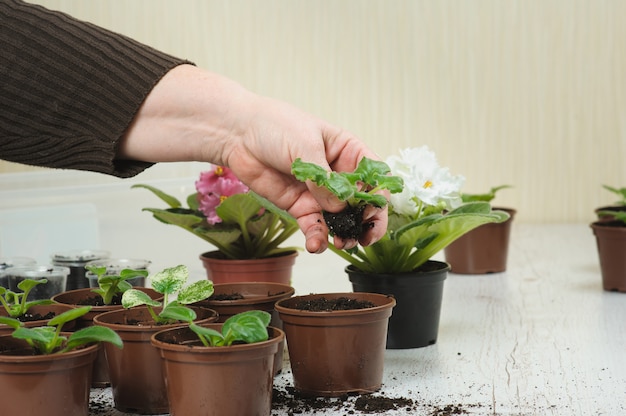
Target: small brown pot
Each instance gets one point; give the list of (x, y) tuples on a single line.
[(611, 243), (255, 296), (275, 269), (136, 374), (337, 352), (78, 297), (482, 250), (217, 381), (43, 310), (50, 385)]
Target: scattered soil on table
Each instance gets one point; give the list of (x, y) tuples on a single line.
[(347, 224), (290, 401), (325, 305)]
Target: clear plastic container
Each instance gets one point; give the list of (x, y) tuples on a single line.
[(76, 260), (6, 262), (115, 266), (56, 276)]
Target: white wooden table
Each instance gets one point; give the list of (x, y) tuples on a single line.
[(542, 338)]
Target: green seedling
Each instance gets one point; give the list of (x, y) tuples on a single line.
[(16, 304), (358, 189), (110, 286), (49, 340), (247, 327), (621, 192), (170, 282)]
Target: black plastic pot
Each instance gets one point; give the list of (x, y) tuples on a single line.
[(415, 319)]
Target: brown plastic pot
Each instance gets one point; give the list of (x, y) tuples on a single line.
[(136, 374), (339, 352), (43, 310), (217, 381), (275, 269), (50, 385), (611, 243), (482, 250), (255, 296), (78, 297)]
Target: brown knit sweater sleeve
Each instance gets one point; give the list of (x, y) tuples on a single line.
[(69, 89)]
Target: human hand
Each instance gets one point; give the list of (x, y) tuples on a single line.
[(215, 120), (276, 136)]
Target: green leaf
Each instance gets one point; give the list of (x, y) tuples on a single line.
[(68, 316), (238, 209), (176, 312), (41, 335), (12, 322), (170, 280), (370, 170), (304, 171), (248, 327), (132, 274), (483, 197), (208, 335), (185, 218), (27, 285), (195, 292), (91, 334), (168, 199), (134, 297)]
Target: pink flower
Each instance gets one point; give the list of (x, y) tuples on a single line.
[(213, 187)]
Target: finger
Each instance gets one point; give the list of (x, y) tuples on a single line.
[(315, 232)]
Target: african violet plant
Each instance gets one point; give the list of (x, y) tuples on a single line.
[(245, 327), (50, 340), (228, 215), (16, 304), (112, 285), (169, 282), (424, 217), (357, 189)]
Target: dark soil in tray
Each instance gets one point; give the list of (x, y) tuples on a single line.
[(96, 300), (29, 317), (323, 304)]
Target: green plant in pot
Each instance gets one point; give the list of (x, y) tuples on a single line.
[(31, 312), (484, 249), (224, 369), (137, 378), (106, 297), (246, 229), (58, 363), (610, 233), (425, 217), (604, 213)]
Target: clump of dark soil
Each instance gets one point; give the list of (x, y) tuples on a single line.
[(29, 317), (97, 300), (323, 304), (378, 404), (296, 404), (347, 224), (226, 296)]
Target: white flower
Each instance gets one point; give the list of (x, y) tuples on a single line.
[(424, 180)]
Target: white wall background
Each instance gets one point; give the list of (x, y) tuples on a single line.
[(529, 93)]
